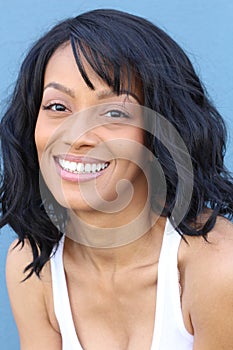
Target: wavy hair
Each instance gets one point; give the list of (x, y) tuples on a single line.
[(117, 46)]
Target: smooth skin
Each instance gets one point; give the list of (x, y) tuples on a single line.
[(113, 291)]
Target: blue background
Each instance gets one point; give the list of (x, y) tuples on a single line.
[(203, 28)]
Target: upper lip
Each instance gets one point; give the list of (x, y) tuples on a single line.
[(79, 159)]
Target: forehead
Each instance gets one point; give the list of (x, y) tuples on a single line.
[(62, 66)]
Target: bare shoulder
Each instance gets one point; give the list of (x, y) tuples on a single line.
[(208, 290), (219, 245), (29, 301), (18, 258)]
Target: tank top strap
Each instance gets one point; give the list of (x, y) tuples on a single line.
[(62, 306), (169, 330)]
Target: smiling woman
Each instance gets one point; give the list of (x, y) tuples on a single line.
[(119, 155)]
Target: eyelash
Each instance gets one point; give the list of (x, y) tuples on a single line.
[(119, 112), (51, 105)]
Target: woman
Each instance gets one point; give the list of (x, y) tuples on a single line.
[(127, 228)]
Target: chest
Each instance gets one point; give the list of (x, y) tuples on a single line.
[(116, 313)]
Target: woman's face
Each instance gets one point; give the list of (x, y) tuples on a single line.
[(89, 140)]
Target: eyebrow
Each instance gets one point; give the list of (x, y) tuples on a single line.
[(61, 88), (100, 94), (109, 93), (105, 94)]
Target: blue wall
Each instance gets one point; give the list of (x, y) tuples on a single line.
[(203, 28)]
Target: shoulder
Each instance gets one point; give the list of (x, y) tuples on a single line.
[(30, 301), (19, 289), (18, 258), (214, 253), (208, 291)]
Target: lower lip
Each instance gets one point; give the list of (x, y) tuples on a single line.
[(72, 177)]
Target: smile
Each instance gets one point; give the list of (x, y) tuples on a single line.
[(81, 167)]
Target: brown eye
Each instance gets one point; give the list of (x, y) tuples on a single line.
[(56, 107), (116, 114)]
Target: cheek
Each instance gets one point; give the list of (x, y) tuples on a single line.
[(140, 136), (130, 133), (135, 136), (41, 135)]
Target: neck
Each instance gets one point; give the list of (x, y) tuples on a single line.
[(103, 249)]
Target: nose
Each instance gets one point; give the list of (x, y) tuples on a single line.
[(81, 130)]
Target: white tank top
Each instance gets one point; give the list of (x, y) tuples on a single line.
[(169, 329)]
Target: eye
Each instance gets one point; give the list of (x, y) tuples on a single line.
[(116, 114), (56, 107)]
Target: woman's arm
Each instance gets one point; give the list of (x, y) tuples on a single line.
[(28, 304), (211, 290), (213, 327)]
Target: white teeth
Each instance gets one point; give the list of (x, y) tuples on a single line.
[(62, 162), (72, 166), (66, 164), (81, 168), (87, 168), (98, 167), (93, 168)]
